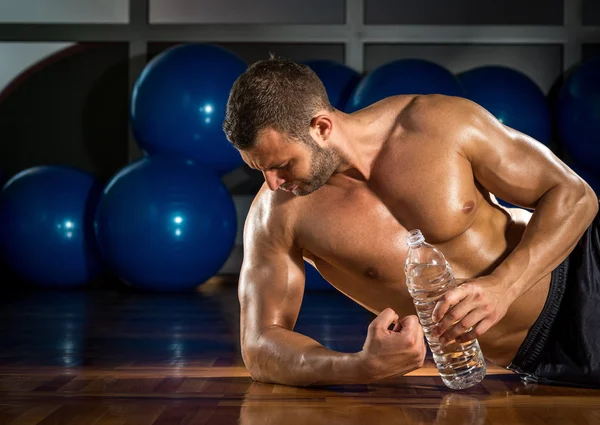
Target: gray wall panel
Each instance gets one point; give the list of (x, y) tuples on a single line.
[(464, 12), (244, 11), (64, 11)]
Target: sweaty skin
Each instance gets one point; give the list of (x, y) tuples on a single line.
[(416, 171)]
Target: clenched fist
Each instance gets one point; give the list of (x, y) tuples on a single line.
[(393, 352)]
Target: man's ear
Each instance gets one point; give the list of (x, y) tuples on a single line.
[(321, 127)]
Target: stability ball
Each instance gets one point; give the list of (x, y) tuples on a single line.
[(512, 97), (165, 223), (46, 226), (404, 76), (178, 104), (338, 79), (578, 114)]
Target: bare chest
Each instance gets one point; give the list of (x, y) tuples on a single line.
[(428, 189), (362, 233)]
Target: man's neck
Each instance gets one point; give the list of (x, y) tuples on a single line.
[(362, 136)]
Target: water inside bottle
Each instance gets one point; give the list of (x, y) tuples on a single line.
[(461, 365)]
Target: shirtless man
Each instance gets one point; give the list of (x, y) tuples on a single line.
[(342, 191)]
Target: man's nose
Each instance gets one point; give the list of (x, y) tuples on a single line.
[(273, 179)]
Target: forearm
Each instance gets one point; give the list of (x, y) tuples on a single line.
[(558, 222), (285, 357)]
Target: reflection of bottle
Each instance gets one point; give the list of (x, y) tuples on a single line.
[(428, 277), (460, 409)]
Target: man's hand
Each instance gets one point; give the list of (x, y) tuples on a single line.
[(393, 352), (469, 310)]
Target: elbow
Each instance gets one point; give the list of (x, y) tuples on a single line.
[(583, 197), (266, 368), (590, 201), (261, 368), (250, 357), (593, 205), (593, 200)]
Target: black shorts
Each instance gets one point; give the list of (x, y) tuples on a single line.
[(563, 346)]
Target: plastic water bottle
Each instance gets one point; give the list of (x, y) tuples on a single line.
[(429, 277)]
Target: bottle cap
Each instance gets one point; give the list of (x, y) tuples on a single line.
[(414, 238)]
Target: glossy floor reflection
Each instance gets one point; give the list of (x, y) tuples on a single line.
[(116, 357)]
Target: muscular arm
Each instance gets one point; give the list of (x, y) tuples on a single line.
[(270, 293), (524, 172)]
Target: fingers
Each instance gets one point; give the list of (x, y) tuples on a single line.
[(409, 322), (468, 321), (479, 330), (385, 319), (408, 325), (413, 337), (452, 316), (412, 329), (450, 298)]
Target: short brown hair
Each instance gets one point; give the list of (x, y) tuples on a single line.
[(273, 93)]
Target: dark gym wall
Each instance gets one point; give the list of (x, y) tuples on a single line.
[(589, 51), (81, 102), (408, 12), (258, 12), (590, 12), (464, 12), (70, 110), (75, 111)]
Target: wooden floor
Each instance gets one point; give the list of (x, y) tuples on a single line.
[(114, 357)]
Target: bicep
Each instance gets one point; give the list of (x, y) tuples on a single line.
[(271, 285), (510, 164)]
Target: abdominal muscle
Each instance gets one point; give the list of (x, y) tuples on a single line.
[(502, 341)]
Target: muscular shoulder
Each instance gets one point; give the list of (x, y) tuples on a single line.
[(443, 114), (272, 216), (453, 121)]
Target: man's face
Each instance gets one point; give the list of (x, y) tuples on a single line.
[(292, 166)]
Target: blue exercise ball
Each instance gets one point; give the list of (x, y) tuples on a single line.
[(46, 226), (404, 76), (512, 97), (166, 223), (178, 105), (339, 80), (578, 114)]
